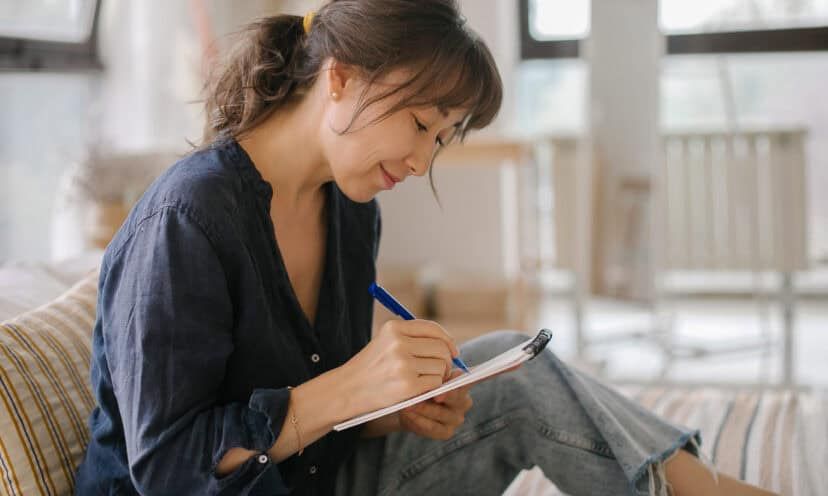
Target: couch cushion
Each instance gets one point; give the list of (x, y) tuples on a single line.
[(24, 286), (45, 395)]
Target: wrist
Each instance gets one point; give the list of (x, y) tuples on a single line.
[(341, 394), (346, 393), (325, 397)]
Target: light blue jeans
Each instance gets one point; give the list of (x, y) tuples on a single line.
[(587, 438)]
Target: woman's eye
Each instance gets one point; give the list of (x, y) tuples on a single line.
[(420, 127), (440, 141)]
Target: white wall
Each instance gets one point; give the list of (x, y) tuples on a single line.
[(473, 232), (476, 230)]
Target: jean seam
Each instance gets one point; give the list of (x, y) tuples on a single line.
[(488, 428), (568, 439)]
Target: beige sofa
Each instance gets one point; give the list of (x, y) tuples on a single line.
[(776, 439)]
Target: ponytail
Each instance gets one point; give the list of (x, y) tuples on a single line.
[(260, 75)]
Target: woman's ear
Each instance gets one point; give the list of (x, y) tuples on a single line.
[(341, 78)]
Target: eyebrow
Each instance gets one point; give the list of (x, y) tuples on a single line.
[(445, 114)]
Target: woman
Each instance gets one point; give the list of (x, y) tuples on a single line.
[(234, 318)]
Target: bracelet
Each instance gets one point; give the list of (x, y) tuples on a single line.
[(296, 427)]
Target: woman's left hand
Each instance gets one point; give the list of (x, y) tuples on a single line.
[(440, 416)]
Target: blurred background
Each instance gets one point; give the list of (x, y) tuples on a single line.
[(652, 191)]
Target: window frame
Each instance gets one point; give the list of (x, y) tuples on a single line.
[(803, 39), (36, 55)]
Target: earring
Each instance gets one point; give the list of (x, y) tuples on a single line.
[(334, 95)]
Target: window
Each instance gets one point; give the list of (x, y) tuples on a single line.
[(709, 16), (751, 63), (48, 34), (558, 19), (553, 28)]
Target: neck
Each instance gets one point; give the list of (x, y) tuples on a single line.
[(285, 148)]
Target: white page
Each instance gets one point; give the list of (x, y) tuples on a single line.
[(508, 358)]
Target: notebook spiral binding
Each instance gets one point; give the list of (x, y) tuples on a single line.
[(539, 343)]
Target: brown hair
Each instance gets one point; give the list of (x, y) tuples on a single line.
[(276, 60)]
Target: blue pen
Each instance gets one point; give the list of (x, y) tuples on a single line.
[(395, 306)]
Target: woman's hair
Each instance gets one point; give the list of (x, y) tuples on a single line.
[(276, 60)]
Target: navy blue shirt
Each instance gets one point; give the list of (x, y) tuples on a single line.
[(199, 333)]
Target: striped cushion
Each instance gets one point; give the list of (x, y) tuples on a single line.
[(763, 437), (45, 397)]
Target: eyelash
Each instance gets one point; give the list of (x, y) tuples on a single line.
[(421, 128)]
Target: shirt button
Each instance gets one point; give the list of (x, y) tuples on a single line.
[(262, 459), (312, 470), (314, 358)]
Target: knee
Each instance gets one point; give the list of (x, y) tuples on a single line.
[(502, 339), (490, 344), (508, 337)]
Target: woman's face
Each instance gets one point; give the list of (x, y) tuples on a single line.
[(372, 157)]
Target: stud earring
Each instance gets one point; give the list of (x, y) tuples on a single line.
[(334, 95)]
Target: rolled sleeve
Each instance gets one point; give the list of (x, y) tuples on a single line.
[(166, 299)]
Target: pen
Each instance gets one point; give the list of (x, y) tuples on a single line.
[(395, 306)]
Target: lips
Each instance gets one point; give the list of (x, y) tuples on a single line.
[(388, 179)]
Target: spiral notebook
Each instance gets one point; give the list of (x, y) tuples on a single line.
[(527, 350)]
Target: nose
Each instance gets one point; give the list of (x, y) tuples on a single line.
[(415, 167), (418, 162)]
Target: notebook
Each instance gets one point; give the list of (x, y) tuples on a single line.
[(527, 350)]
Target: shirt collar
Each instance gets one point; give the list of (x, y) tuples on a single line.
[(248, 171)]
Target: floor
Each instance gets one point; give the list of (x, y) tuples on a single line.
[(711, 322)]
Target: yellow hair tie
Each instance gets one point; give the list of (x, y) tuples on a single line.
[(307, 20)]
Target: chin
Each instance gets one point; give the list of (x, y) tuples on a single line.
[(358, 195)]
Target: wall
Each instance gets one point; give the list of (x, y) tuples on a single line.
[(476, 229)]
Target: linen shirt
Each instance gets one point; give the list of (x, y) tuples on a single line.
[(198, 334)]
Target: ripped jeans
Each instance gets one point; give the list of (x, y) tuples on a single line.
[(587, 438)]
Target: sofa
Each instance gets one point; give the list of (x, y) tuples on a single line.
[(774, 438)]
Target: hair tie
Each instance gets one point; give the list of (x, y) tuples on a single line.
[(307, 20)]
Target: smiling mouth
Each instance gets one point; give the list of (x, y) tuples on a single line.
[(389, 174)]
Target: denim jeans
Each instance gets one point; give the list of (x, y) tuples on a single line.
[(587, 438)]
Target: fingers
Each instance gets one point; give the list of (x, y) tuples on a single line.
[(430, 348), (436, 412), (431, 366), (427, 383), (454, 396), (460, 398), (449, 397), (425, 329), (426, 427), (434, 419)]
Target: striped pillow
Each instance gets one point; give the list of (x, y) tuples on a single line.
[(45, 396), (770, 438)]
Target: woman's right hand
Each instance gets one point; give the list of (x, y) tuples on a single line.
[(404, 359)]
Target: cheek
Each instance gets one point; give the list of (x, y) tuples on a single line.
[(354, 171), (350, 157)]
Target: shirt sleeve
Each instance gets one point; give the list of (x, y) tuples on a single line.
[(168, 320)]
